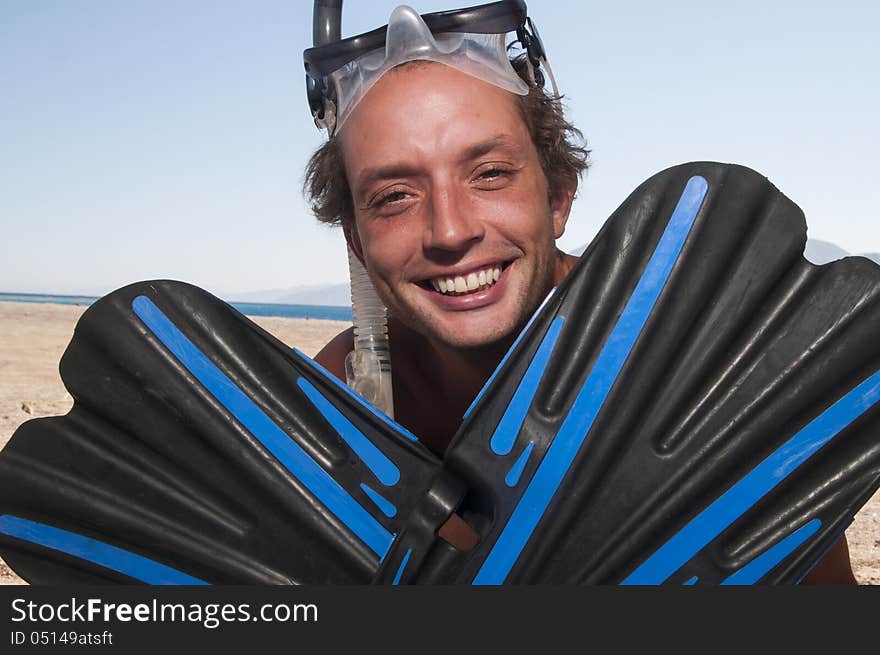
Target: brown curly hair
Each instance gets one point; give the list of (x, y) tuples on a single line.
[(561, 148)]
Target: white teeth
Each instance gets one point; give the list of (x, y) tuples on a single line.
[(467, 283)]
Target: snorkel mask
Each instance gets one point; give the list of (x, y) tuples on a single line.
[(340, 72)]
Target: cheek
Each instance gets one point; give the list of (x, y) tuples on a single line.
[(522, 210), (389, 245), (520, 219)]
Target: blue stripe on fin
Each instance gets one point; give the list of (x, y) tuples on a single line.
[(375, 411), (577, 424), (516, 470), (289, 453), (765, 562), (97, 552), (508, 427), (716, 518), (382, 467), (507, 354), (401, 567), (388, 509)]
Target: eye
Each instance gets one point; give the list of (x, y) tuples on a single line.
[(388, 198), (390, 201), (493, 176), (493, 172)]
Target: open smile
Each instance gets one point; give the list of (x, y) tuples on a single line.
[(465, 283)]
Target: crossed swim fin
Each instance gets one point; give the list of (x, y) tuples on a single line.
[(695, 403), (200, 449)]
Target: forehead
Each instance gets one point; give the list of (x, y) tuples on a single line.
[(429, 108)]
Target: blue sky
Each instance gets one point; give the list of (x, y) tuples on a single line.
[(144, 139)]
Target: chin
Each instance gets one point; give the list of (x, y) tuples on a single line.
[(474, 334), (463, 343)]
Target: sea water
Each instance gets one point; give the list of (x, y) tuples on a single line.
[(327, 312)]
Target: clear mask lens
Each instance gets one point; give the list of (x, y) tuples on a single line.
[(483, 56)]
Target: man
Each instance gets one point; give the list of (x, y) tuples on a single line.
[(457, 194), (452, 191)]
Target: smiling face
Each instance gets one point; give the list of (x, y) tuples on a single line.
[(452, 214)]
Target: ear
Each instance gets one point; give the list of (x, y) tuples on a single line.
[(353, 240), (560, 206)]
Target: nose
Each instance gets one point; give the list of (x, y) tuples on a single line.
[(451, 224)]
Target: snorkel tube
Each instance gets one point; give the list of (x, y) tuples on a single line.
[(368, 366), (326, 21)]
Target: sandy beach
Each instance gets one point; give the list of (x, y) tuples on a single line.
[(34, 336)]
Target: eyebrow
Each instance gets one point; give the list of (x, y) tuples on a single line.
[(370, 175), (499, 141)]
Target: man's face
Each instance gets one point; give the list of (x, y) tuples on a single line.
[(449, 195)]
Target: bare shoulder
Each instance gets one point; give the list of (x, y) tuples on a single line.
[(835, 566), (332, 356)]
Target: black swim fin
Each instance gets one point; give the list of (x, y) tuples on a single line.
[(695, 403), (200, 449)]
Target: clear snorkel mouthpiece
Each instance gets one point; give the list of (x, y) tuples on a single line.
[(368, 366)]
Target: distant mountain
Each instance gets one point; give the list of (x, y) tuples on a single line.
[(822, 252), (336, 295), (816, 251)]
